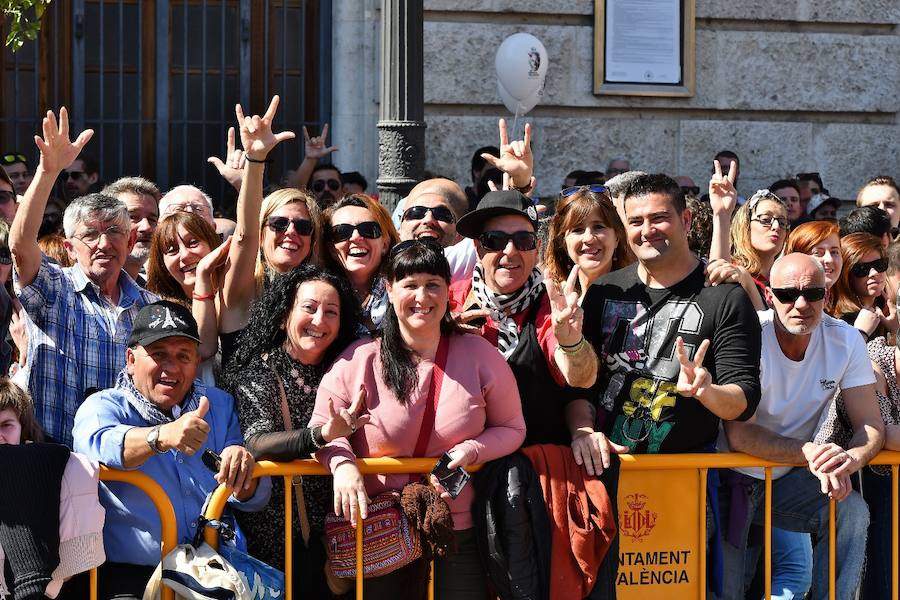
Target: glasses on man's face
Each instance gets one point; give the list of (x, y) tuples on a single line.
[(318, 185), (769, 221), (496, 241), (862, 269), (440, 213), (791, 295), (367, 229), (73, 175), (594, 187), (91, 236), (200, 208), (13, 158), (7, 197), (303, 227)]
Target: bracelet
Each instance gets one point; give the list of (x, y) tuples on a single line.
[(253, 160), (203, 297), (573, 349), (316, 436), (575, 345)]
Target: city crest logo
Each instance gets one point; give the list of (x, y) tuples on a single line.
[(637, 520)]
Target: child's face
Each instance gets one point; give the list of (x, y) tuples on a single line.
[(10, 428)]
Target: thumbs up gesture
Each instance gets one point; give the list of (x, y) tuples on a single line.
[(188, 433)]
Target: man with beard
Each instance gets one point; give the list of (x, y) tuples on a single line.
[(431, 210), (807, 356), (140, 197)]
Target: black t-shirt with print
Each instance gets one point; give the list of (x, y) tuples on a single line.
[(633, 328)]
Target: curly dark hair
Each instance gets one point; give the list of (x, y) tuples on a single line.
[(264, 331)]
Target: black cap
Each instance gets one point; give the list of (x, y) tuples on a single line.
[(160, 320), (495, 204)]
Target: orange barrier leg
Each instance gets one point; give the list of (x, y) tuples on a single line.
[(767, 547)]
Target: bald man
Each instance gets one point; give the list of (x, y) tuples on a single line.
[(432, 209), (807, 356)]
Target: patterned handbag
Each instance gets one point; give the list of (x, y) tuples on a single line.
[(389, 541)]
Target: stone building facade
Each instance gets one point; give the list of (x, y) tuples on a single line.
[(790, 86)]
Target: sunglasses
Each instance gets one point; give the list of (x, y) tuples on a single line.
[(319, 185), (76, 175), (594, 187), (862, 269), (303, 227), (690, 189), (791, 295), (11, 159), (440, 213), (367, 229), (495, 241)]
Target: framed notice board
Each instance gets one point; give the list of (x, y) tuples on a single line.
[(644, 47)]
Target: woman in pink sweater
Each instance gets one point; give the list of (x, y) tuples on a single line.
[(478, 416)]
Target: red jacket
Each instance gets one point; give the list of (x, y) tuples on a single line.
[(581, 516)]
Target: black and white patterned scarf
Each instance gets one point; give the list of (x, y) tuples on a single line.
[(148, 411), (504, 306)]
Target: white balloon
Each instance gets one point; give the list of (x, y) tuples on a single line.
[(521, 64), (520, 107)]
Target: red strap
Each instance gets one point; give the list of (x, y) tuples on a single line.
[(434, 392)]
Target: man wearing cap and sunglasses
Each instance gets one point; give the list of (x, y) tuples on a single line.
[(807, 357)]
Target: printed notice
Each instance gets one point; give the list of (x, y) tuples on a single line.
[(643, 41)]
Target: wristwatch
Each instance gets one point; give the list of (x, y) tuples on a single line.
[(153, 439)]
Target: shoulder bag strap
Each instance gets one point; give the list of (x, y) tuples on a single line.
[(296, 480), (434, 393)]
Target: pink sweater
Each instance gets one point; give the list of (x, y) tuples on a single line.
[(478, 411)]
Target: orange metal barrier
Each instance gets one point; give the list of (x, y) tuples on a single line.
[(629, 462), (166, 516)]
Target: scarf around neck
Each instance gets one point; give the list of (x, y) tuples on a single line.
[(504, 306), (149, 411)]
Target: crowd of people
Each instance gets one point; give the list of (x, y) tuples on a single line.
[(537, 337)]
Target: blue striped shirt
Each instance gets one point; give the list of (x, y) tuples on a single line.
[(76, 341)]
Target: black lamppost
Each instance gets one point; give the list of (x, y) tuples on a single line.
[(401, 117)]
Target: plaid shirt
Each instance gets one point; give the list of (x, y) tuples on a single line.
[(76, 341)]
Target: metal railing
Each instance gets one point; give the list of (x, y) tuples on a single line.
[(166, 517), (629, 462)]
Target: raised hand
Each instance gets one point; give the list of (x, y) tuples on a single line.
[(722, 195), (345, 422), (57, 151), (186, 434), (231, 169), (257, 137), (568, 317), (515, 157), (314, 147), (693, 378)]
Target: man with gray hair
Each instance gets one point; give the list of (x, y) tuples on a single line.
[(80, 316), (140, 197), (187, 198)]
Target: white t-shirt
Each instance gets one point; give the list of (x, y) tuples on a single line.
[(462, 258), (796, 395)]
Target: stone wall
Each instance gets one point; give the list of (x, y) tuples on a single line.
[(791, 86)]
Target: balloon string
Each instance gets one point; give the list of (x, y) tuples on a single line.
[(515, 129)]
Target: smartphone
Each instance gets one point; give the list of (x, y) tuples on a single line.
[(212, 460), (453, 480)]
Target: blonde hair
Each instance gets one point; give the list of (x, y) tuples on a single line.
[(273, 202), (743, 254)]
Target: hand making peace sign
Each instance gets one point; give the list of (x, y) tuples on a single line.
[(722, 194), (567, 315), (693, 378)]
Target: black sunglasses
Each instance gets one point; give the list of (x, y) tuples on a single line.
[(76, 175), (303, 227), (594, 187), (344, 231), (862, 269), (440, 213), (319, 185), (495, 241), (791, 295), (690, 189), (13, 158)]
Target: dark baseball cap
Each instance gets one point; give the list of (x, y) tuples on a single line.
[(495, 204), (161, 320)]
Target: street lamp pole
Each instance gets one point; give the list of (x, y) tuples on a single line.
[(401, 116)]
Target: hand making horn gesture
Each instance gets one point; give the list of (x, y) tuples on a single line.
[(568, 317), (693, 378), (345, 422), (515, 158), (232, 168), (315, 147), (722, 195), (257, 137)]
